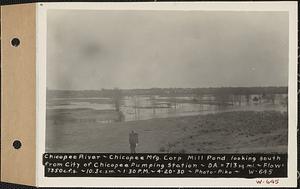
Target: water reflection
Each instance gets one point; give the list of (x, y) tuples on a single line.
[(148, 107)]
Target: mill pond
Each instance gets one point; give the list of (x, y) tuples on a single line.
[(143, 107), (72, 115)]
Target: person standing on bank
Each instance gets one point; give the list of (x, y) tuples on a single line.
[(133, 141)]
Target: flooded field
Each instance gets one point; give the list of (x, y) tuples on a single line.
[(227, 132), (135, 108), (182, 124)]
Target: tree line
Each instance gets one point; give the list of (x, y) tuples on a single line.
[(167, 92)]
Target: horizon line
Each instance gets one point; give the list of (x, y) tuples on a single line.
[(160, 88)]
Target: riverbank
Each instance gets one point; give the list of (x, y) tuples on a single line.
[(228, 132)]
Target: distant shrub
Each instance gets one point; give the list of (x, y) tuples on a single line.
[(182, 151), (162, 149)]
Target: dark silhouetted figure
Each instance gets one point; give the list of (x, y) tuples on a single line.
[(133, 141)]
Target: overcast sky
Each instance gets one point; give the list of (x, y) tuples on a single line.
[(144, 49)]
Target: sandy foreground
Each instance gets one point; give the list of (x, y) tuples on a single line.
[(228, 132)]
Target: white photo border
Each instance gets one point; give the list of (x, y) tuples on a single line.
[(41, 49)]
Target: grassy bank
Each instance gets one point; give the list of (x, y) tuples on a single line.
[(229, 132)]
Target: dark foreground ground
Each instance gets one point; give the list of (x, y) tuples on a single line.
[(229, 132)]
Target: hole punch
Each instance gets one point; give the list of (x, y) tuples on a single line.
[(17, 144), (15, 42)]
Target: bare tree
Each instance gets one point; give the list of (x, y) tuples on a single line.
[(117, 98), (153, 104), (117, 101)]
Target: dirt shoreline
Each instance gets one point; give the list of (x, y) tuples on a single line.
[(228, 132)]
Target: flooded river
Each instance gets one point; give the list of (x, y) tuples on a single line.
[(149, 107)]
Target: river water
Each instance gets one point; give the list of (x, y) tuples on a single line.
[(149, 107)]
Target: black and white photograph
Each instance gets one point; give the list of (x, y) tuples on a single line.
[(167, 81)]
